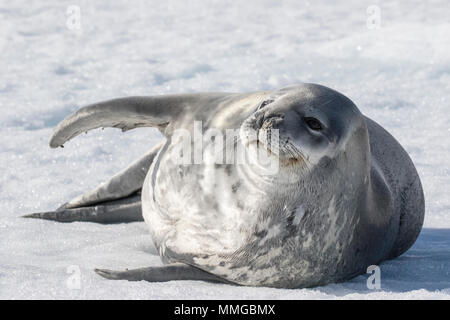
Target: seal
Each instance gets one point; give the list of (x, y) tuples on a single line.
[(343, 194)]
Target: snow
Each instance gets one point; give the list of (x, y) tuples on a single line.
[(398, 74)]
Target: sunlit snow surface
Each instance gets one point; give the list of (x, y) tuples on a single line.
[(399, 75)]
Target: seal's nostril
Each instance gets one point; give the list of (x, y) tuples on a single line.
[(272, 120), (259, 122), (265, 103), (273, 115)]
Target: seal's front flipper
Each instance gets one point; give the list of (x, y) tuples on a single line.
[(116, 211), (161, 274)]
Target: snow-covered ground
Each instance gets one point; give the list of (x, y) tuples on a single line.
[(398, 74)]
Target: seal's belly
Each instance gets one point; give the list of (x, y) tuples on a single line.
[(212, 217), (197, 209)]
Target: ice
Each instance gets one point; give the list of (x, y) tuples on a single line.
[(399, 75)]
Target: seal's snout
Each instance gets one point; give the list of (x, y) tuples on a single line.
[(271, 121)]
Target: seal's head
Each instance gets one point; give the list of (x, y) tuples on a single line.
[(313, 122)]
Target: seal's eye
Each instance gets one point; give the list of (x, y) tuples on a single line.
[(314, 124), (264, 103)]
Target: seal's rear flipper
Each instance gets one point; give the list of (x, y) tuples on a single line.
[(129, 113), (115, 201), (117, 211), (161, 274), (122, 185)]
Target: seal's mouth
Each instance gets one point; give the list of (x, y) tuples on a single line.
[(263, 132), (282, 147)]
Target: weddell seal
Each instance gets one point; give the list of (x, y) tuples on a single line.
[(344, 194)]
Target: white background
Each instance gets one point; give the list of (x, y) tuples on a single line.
[(398, 74)]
